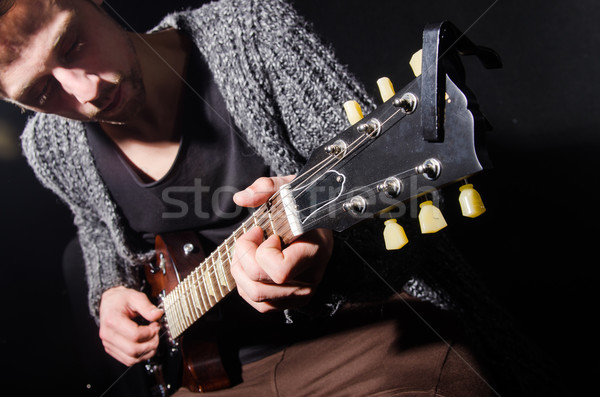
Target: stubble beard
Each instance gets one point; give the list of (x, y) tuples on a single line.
[(137, 97), (133, 104)]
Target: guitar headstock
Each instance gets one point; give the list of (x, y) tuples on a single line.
[(398, 152)]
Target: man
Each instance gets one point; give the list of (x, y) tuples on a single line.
[(244, 90)]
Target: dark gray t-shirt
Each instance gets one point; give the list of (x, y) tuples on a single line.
[(214, 161)]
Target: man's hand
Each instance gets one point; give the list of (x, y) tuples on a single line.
[(123, 338), (270, 278)]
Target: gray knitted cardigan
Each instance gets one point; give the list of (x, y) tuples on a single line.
[(281, 85)]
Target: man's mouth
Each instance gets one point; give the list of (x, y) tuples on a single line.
[(114, 102)]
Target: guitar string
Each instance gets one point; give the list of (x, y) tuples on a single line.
[(185, 292), (401, 175), (227, 252), (212, 269), (183, 314), (253, 219), (340, 210), (183, 320), (188, 313), (363, 187), (362, 138)]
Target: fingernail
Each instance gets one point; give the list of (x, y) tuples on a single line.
[(303, 291), (243, 194)]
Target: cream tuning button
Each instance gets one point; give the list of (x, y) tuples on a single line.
[(353, 112)]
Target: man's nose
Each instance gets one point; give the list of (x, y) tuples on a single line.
[(83, 86)]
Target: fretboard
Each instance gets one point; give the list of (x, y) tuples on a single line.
[(211, 280)]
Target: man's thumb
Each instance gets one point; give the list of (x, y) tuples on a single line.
[(142, 305)]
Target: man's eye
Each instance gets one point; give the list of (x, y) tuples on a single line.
[(74, 48)]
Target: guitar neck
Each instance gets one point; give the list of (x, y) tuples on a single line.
[(211, 280)]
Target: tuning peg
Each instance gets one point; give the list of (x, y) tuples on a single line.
[(431, 219), (386, 89), (353, 112), (470, 201), (415, 62), (394, 235)]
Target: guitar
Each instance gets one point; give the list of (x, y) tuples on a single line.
[(424, 137)]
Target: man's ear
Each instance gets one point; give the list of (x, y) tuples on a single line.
[(98, 2)]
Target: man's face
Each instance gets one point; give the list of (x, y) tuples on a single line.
[(68, 58)]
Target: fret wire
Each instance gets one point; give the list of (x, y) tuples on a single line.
[(220, 270), (228, 250), (189, 306), (173, 310), (197, 293), (266, 227), (184, 314), (212, 275), (195, 312), (211, 269), (200, 288), (168, 309), (207, 287), (244, 228), (178, 308), (218, 276), (194, 292), (188, 310), (183, 325), (216, 273), (230, 261), (270, 215)]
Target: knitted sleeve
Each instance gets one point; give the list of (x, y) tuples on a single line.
[(306, 79), (105, 268), (56, 149), (309, 86), (281, 85)]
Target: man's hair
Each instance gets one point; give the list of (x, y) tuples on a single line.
[(5, 6)]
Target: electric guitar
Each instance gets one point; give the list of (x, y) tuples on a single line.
[(425, 136)]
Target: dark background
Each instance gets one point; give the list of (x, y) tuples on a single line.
[(535, 246)]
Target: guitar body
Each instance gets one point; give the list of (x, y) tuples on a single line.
[(202, 366)]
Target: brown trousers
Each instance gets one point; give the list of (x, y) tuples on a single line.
[(411, 350)]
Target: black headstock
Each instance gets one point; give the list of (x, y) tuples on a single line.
[(429, 134)]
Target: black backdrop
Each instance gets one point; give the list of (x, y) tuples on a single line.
[(534, 247)]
